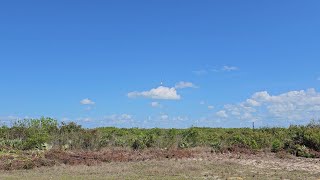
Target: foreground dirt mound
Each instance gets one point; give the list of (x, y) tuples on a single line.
[(23, 161), (89, 158), (93, 158), (30, 160)]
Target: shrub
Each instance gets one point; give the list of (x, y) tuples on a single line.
[(138, 144), (303, 151), (276, 145), (217, 146), (44, 133), (253, 144)]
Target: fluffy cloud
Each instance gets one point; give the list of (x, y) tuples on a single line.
[(164, 117), (300, 105), (251, 102), (229, 68), (167, 121), (87, 101), (208, 105), (222, 114), (85, 119), (182, 85), (180, 118), (160, 92), (118, 120), (226, 69), (171, 119), (163, 92), (9, 119)]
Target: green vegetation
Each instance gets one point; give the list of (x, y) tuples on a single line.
[(47, 133)]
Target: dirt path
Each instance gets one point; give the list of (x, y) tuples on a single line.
[(265, 161)]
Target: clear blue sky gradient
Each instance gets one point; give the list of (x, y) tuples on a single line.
[(53, 54)]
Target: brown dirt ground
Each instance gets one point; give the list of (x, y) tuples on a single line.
[(198, 163)]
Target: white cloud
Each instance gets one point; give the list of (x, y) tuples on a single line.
[(208, 106), (300, 105), (65, 119), (6, 120), (155, 104), (160, 92), (87, 101), (180, 118), (166, 121), (222, 114), (85, 119), (182, 85), (251, 102), (226, 69), (164, 117), (9, 119), (118, 119), (229, 68)]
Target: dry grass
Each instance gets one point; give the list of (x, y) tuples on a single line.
[(165, 169), (203, 165)]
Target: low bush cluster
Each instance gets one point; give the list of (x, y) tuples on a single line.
[(47, 133)]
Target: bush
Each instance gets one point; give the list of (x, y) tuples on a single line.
[(216, 145), (138, 144), (303, 151), (44, 133), (184, 145), (276, 145), (253, 144)]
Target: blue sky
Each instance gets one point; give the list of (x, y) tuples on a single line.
[(161, 63)]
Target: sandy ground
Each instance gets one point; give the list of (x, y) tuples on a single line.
[(204, 165)]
